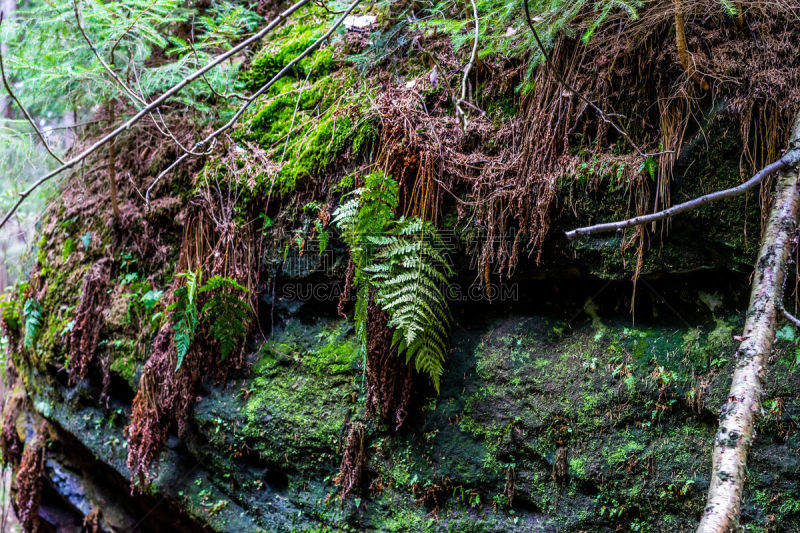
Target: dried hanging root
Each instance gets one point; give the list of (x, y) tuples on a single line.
[(147, 431), (390, 380), (88, 323), (354, 459), (683, 49), (29, 481)]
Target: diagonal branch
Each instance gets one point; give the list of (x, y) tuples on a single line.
[(105, 65), (790, 159), (289, 66), (150, 107), (22, 107)]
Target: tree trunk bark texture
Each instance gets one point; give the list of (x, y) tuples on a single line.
[(737, 417)]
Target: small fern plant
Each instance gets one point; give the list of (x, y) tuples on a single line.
[(408, 273), (226, 313), (402, 259), (34, 317), (185, 317)]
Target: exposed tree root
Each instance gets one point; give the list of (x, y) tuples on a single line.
[(736, 423)]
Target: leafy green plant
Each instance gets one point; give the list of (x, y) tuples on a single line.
[(34, 316), (408, 273), (9, 314), (228, 314), (186, 314), (402, 260), (369, 211)]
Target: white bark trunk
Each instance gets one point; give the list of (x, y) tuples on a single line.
[(735, 434)]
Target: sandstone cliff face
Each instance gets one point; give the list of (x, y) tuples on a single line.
[(574, 400), (557, 412)]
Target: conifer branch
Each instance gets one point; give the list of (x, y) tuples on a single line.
[(105, 65), (22, 107), (150, 107)]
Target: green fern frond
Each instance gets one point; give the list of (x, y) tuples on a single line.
[(34, 317), (403, 260), (228, 314), (185, 314)]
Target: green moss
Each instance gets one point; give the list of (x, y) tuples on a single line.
[(126, 361), (286, 43), (305, 127), (337, 352), (301, 394)]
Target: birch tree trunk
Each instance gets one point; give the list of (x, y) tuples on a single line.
[(735, 434)]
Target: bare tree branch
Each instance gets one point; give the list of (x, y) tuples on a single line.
[(737, 417), (790, 317), (791, 158), (153, 105), (216, 133), (603, 116), (22, 107), (459, 110)]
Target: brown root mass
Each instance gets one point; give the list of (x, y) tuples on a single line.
[(507, 175), (354, 459), (390, 380), (147, 431), (29, 482), (92, 521), (212, 245), (88, 323), (10, 444)]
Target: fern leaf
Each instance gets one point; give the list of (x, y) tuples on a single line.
[(32, 310), (228, 314)]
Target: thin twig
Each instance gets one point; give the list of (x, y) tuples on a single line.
[(321, 3), (105, 65), (57, 128), (150, 107), (22, 107), (289, 66), (459, 111), (294, 114), (165, 131), (791, 318), (791, 158), (603, 116), (224, 96)]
